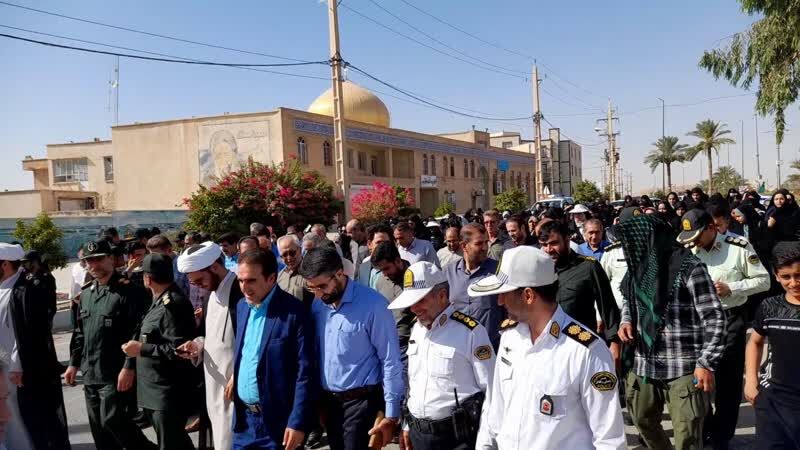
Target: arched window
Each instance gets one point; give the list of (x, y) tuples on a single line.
[(452, 167), (424, 164), (433, 165), (327, 154), (512, 178), (527, 181), (444, 167), (472, 168), (503, 185), (495, 186), (302, 150), (519, 180), (466, 168)]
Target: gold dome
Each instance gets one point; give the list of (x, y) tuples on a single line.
[(360, 105)]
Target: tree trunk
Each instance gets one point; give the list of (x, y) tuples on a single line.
[(669, 178), (710, 172)]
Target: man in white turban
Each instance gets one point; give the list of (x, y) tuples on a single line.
[(204, 266)]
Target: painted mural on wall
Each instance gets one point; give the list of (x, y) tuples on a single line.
[(225, 146)]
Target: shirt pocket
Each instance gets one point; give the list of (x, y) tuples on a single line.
[(413, 360), (554, 390), (351, 340), (441, 362)]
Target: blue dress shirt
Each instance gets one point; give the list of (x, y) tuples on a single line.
[(231, 262), (585, 250), (485, 308), (357, 345), (247, 383), (419, 250)]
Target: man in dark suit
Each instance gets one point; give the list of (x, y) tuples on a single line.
[(273, 385)]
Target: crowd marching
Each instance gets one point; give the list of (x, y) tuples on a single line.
[(508, 330)]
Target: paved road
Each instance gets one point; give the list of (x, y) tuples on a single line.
[(81, 438)]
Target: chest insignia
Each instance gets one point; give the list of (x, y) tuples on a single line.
[(505, 361), (753, 259), (483, 352), (166, 300), (604, 381), (464, 319), (507, 349), (580, 334), (508, 323), (555, 330), (546, 405), (442, 320), (108, 323)]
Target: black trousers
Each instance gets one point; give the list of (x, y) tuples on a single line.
[(348, 422), (170, 427), (721, 423), (777, 421), (42, 409), (111, 420), (437, 441)]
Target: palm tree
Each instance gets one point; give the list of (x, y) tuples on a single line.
[(711, 138), (667, 151), (793, 180)]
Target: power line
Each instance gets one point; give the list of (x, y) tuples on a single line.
[(683, 105), (571, 139), (158, 59), (156, 53), (417, 41)]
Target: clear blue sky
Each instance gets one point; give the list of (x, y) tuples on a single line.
[(625, 50)]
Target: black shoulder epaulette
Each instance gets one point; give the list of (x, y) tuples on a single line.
[(587, 258), (464, 319), (613, 246), (507, 324), (738, 241), (87, 284), (580, 333)]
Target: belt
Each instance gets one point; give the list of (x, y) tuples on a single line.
[(429, 426), (254, 408), (356, 393)]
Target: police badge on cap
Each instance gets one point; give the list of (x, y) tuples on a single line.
[(93, 249)]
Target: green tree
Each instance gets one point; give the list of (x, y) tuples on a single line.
[(513, 200), (766, 54), (43, 236), (726, 177), (793, 180), (711, 135), (659, 194), (444, 209), (667, 151), (587, 191)]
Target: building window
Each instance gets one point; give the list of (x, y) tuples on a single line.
[(495, 184), (108, 168), (519, 180), (302, 151), (527, 181), (327, 154), (362, 161), (350, 158), (503, 185), (466, 168), (452, 166), (433, 165), (373, 165), (472, 168), (507, 144), (450, 197), (444, 167), (66, 170), (512, 178), (424, 164)]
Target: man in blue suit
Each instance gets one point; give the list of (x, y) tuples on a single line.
[(273, 384)]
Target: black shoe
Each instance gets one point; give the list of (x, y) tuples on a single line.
[(314, 438), (141, 420)]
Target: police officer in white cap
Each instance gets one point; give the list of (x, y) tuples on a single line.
[(450, 365), (554, 385)]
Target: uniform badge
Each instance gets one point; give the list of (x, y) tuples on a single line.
[(442, 319), (753, 259), (637, 212), (166, 300), (505, 361), (584, 336), (483, 352), (687, 226), (604, 381), (91, 247), (107, 322), (555, 330), (144, 338), (546, 405), (408, 279)]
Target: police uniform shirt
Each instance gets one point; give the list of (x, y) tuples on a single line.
[(557, 393), (734, 261), (455, 353), (615, 267)]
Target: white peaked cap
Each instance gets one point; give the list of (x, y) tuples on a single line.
[(11, 252)]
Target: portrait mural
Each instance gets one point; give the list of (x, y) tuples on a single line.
[(224, 147)]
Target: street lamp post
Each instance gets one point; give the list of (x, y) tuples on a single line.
[(663, 166)]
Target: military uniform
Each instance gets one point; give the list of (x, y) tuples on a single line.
[(733, 261), (163, 379), (108, 317)]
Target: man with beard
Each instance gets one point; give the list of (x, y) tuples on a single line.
[(358, 354), (110, 310), (517, 233), (204, 266), (496, 243), (367, 273), (582, 285), (387, 259), (554, 383)]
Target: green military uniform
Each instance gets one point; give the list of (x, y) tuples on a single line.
[(163, 379), (108, 317), (582, 283)]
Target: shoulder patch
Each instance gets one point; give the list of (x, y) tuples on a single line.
[(580, 333), (464, 319), (739, 242), (507, 323), (87, 284), (604, 381), (588, 258), (753, 259), (483, 352)]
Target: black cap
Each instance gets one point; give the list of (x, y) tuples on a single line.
[(97, 248), (32, 255), (158, 264), (142, 233), (693, 223), (629, 213)]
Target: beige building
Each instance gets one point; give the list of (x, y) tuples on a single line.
[(560, 175), (153, 166)]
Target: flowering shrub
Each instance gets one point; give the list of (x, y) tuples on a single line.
[(381, 202), (278, 195)]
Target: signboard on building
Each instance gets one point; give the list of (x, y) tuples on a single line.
[(428, 181), (502, 165)]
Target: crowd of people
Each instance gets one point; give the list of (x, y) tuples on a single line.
[(509, 330)]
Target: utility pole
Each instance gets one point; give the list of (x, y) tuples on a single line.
[(663, 166), (613, 156), (741, 143), (537, 124), (338, 107), (758, 160)]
